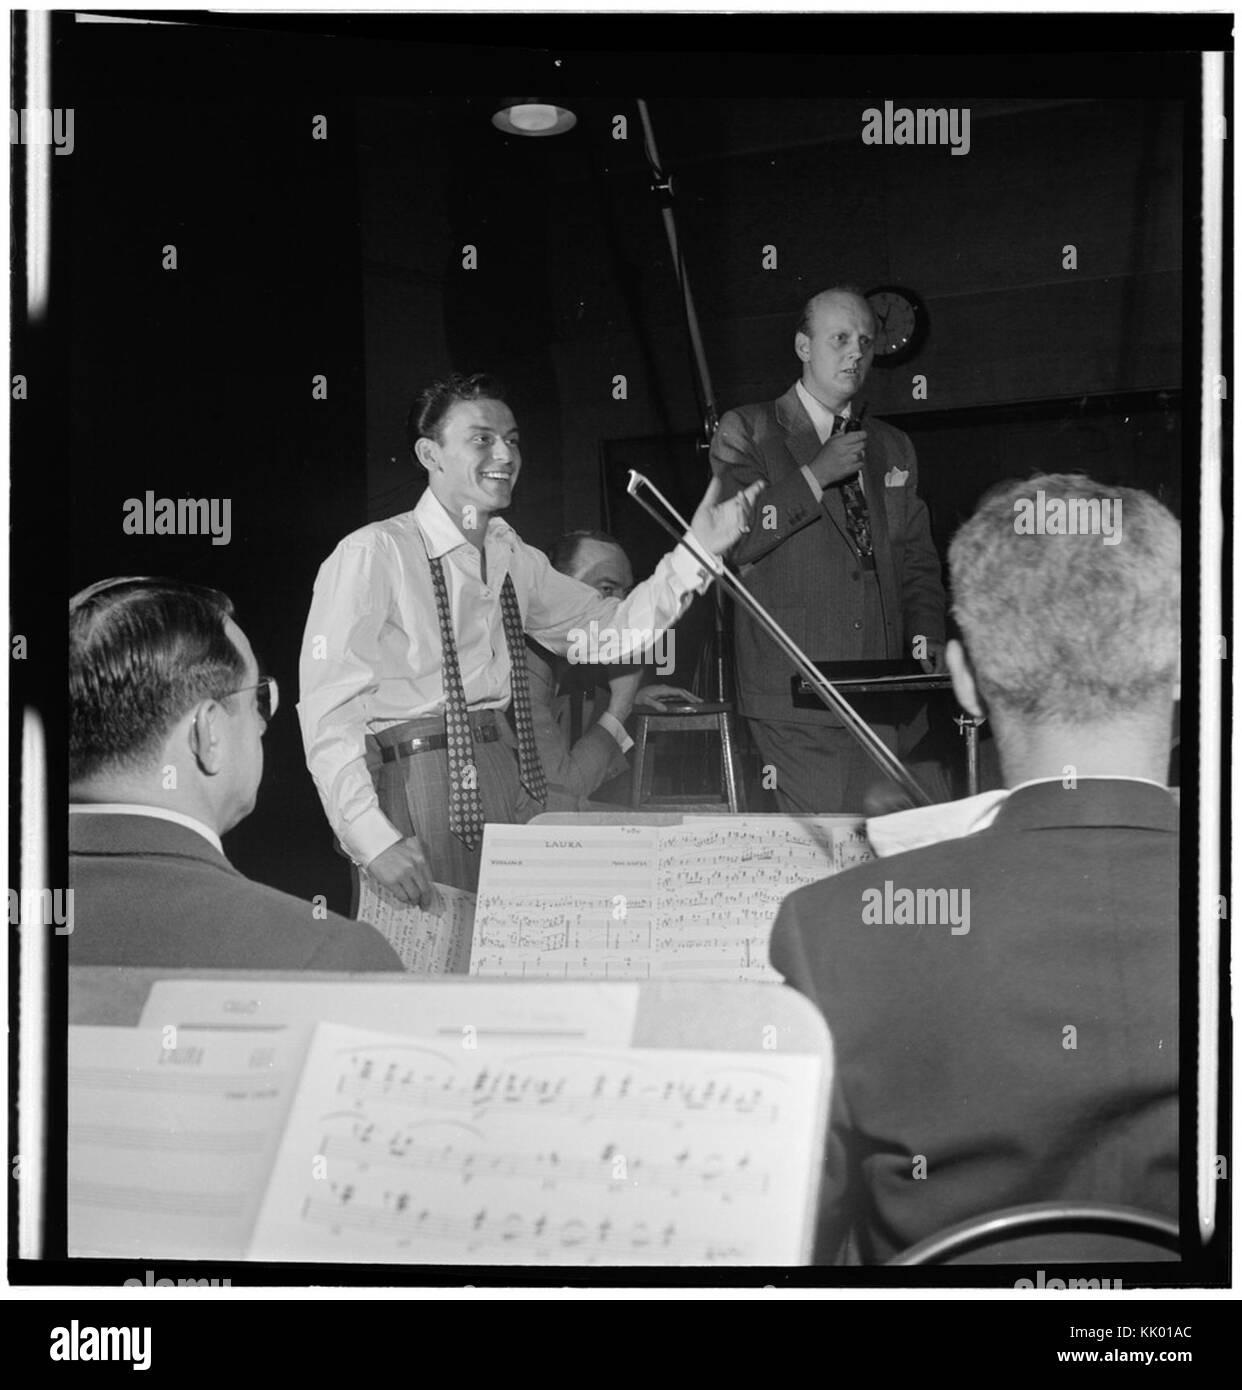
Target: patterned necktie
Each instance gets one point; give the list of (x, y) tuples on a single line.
[(530, 769), (465, 806), (857, 517)]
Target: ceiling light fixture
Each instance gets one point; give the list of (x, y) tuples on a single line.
[(530, 116)]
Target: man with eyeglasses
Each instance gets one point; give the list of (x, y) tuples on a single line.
[(580, 725), (167, 714)]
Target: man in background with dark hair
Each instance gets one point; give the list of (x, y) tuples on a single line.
[(581, 731), (167, 713), (1004, 1004), (841, 553), (414, 652)]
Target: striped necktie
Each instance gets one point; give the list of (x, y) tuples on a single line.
[(857, 517), (465, 805), (530, 768)]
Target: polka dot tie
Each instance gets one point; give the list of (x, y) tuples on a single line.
[(465, 805), (530, 768), (857, 517)]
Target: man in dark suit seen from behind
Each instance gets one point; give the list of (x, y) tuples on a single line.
[(167, 714), (1004, 1005)]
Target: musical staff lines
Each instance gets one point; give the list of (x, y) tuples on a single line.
[(541, 1155), (695, 901)]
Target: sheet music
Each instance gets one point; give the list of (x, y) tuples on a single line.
[(428, 944), (503, 1011), (723, 879), (410, 1151), (567, 901), (695, 901), (170, 1146)]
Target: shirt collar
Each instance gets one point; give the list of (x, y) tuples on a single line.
[(125, 808), (821, 417), (950, 820), (440, 530)]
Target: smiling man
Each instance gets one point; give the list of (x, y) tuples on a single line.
[(415, 705), (841, 554)]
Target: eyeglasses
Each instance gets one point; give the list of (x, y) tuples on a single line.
[(267, 699)]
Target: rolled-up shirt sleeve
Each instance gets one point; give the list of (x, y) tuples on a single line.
[(339, 668)]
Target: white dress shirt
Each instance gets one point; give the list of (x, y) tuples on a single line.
[(371, 655), (823, 419), (125, 808)]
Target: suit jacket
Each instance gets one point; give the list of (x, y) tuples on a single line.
[(150, 892), (573, 770), (798, 559), (959, 1048)]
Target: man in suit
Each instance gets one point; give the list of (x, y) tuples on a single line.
[(581, 731), (841, 551), (1003, 1005), (167, 715)]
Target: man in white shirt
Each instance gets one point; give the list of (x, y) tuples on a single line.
[(405, 787), (841, 553), (167, 710)]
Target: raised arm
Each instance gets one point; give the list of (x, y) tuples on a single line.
[(784, 507)]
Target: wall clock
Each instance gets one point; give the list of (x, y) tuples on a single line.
[(901, 324)]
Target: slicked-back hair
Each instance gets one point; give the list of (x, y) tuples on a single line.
[(433, 403), (808, 309), (1065, 629), (142, 653), (564, 551)]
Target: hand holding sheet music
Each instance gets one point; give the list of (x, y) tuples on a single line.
[(428, 943)]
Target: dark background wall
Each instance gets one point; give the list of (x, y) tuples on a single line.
[(343, 257)]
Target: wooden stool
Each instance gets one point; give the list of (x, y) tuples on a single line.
[(717, 716)]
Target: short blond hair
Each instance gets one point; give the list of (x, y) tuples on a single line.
[(1064, 628)]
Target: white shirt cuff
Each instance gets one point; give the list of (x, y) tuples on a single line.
[(370, 835), (609, 721), (691, 573), (812, 483)]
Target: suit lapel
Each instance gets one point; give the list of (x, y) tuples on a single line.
[(803, 445)]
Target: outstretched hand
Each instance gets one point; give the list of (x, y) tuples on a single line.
[(718, 525)]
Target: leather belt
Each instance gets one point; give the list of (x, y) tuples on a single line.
[(485, 733)]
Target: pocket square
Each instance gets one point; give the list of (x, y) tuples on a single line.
[(896, 477)]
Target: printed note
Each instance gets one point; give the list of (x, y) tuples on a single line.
[(428, 944), (411, 1151), (695, 901), (171, 1136)]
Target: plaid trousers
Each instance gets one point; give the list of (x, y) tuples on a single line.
[(414, 792)]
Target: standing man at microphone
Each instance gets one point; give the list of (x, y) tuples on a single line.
[(840, 551), (415, 706)]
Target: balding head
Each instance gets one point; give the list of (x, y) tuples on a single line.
[(835, 343)]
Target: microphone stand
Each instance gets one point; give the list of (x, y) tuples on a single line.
[(870, 742), (662, 187)]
